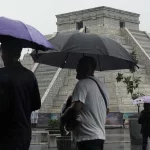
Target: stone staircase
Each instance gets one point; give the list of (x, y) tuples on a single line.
[(70, 81), (48, 105), (143, 39), (119, 99), (65, 82), (44, 75)]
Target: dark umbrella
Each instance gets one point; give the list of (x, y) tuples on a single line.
[(72, 46), (31, 38)]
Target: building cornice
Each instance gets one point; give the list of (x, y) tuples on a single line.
[(98, 9), (92, 14)]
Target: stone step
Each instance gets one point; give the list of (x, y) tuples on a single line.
[(61, 98), (44, 84), (147, 47), (44, 79), (143, 43), (148, 52), (42, 90), (58, 103), (144, 39), (47, 68), (116, 36), (128, 48), (43, 65), (55, 110), (43, 73), (137, 32)]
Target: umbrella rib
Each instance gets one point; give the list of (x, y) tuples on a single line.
[(99, 63), (67, 41), (27, 30)]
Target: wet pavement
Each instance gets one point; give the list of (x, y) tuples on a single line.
[(116, 139), (113, 146)]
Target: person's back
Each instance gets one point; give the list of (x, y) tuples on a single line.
[(144, 120), (22, 97)]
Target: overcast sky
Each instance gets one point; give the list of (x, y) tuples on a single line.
[(41, 13)]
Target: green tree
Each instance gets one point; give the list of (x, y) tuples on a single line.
[(132, 82)]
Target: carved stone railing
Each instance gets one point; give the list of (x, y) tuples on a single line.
[(142, 56), (35, 67), (50, 85)]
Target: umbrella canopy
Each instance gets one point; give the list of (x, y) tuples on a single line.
[(141, 100), (72, 46), (31, 38)]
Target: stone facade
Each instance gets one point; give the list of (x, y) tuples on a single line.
[(105, 21), (102, 21), (98, 17)]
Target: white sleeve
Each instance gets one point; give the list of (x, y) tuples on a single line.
[(79, 93)]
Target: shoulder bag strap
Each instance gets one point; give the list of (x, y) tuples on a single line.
[(103, 95)]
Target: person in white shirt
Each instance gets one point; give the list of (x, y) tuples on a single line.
[(34, 119), (90, 106)]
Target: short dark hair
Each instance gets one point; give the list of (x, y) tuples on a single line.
[(89, 61), (12, 46), (146, 106)]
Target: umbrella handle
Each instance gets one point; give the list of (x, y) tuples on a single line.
[(36, 51), (63, 65)]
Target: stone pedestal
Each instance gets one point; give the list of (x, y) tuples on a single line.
[(39, 137), (52, 140), (135, 128), (36, 139), (65, 142)]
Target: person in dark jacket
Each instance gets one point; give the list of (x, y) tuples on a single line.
[(65, 106), (144, 120), (19, 96), (72, 122)]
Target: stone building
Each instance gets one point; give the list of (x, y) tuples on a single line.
[(56, 84)]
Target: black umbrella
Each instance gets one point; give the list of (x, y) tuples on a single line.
[(72, 46)]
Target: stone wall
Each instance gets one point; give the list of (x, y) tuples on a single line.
[(101, 16), (102, 21), (47, 105), (27, 61), (106, 77), (120, 101)]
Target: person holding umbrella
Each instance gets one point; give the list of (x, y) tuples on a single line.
[(144, 120), (19, 92), (19, 96), (87, 52), (89, 104)]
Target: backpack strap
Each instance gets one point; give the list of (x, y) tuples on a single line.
[(101, 91)]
